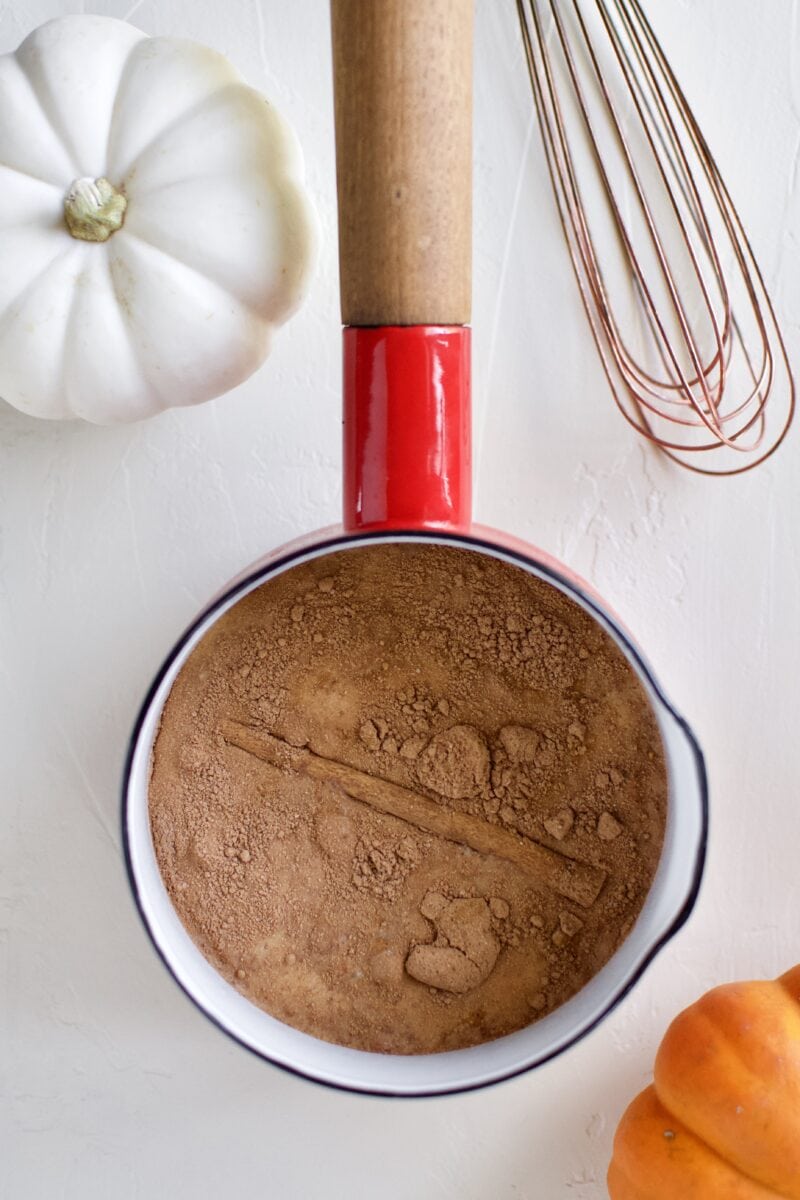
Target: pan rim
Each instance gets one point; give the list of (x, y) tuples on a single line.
[(328, 542)]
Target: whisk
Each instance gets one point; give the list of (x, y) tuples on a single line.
[(676, 302)]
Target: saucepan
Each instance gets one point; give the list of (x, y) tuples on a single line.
[(402, 74)]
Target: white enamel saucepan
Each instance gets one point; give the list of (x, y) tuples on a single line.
[(403, 127)]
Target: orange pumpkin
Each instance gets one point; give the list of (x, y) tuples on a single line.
[(721, 1120)]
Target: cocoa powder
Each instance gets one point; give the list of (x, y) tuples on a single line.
[(438, 677)]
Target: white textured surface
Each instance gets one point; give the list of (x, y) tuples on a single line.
[(114, 1086)]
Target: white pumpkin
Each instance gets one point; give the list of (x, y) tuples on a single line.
[(153, 223)]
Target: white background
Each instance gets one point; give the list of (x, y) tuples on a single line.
[(111, 539)]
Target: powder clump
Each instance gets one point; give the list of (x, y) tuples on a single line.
[(455, 763), (464, 952)]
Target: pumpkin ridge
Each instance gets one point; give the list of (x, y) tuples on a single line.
[(68, 344), (27, 175), (112, 122), (76, 399), (200, 176), (770, 1191), (254, 313), (125, 238), (175, 123), (786, 981), (31, 285), (55, 126), (296, 213), (732, 1050), (627, 1170), (187, 43), (135, 351)]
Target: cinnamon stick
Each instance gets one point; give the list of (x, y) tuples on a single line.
[(569, 877)]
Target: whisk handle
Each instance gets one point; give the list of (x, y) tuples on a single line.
[(403, 105)]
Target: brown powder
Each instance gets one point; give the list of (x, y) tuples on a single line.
[(407, 798)]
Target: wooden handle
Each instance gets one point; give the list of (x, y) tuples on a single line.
[(403, 101)]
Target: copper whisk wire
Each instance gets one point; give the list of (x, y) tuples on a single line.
[(711, 354)]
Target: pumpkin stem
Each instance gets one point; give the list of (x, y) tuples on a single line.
[(93, 209)]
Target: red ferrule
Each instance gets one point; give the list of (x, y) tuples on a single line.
[(407, 427)]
